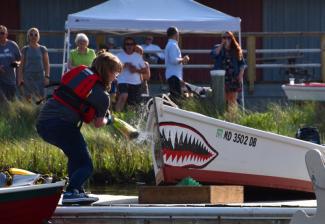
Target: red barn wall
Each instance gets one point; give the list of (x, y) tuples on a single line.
[(10, 15)]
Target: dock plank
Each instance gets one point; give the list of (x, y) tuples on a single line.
[(191, 194)]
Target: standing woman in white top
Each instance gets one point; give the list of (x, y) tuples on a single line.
[(174, 63), (34, 69), (129, 80)]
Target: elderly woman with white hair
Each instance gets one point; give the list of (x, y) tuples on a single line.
[(82, 55)]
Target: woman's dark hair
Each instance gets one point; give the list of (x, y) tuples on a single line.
[(171, 31), (234, 46)]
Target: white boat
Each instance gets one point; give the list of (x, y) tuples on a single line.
[(305, 91), (188, 144)]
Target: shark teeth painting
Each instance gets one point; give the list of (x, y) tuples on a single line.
[(184, 146)]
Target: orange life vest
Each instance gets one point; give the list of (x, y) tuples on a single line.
[(74, 89)]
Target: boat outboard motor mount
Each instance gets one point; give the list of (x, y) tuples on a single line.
[(310, 134)]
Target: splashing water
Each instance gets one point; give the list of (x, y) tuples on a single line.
[(140, 123), (144, 137)]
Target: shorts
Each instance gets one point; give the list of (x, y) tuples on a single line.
[(7, 92), (233, 85), (133, 91)]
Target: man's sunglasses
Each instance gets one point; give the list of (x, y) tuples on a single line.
[(129, 44)]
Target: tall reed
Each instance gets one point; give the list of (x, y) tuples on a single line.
[(280, 119), (115, 159)]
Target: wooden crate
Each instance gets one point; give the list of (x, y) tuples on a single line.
[(190, 195)]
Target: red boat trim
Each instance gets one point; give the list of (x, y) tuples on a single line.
[(175, 174), (28, 194), (35, 209), (312, 84)]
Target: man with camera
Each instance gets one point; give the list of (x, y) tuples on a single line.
[(9, 60)]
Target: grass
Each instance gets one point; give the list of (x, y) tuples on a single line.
[(115, 160), (119, 161), (280, 119)]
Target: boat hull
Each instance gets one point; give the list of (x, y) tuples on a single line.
[(29, 204), (174, 174), (188, 144), (305, 91)]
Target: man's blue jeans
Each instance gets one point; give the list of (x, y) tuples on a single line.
[(68, 138)]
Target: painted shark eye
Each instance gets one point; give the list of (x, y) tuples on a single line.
[(183, 146)]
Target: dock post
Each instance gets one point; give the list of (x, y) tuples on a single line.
[(218, 89), (322, 48), (100, 40), (251, 62), (21, 39)]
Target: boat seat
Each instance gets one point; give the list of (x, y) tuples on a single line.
[(316, 169)]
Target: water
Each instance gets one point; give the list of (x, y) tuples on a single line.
[(140, 124), (126, 189), (143, 137)]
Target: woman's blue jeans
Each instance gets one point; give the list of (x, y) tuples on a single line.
[(69, 139)]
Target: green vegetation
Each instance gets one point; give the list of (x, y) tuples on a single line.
[(115, 160), (284, 120), (119, 161)]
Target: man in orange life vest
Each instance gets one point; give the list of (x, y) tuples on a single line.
[(81, 97)]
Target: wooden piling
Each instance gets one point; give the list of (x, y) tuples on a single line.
[(251, 61), (21, 39), (322, 48), (100, 40)]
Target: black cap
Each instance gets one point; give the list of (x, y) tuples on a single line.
[(171, 31)]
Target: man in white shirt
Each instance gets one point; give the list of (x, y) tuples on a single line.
[(174, 63), (152, 58), (129, 80)]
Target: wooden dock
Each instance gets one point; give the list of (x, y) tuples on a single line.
[(191, 194), (125, 209)]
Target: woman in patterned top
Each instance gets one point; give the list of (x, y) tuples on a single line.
[(228, 56)]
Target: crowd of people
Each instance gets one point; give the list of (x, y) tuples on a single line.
[(82, 95), (27, 70)]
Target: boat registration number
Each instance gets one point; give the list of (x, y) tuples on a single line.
[(239, 138)]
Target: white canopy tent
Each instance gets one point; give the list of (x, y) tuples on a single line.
[(149, 16), (152, 16)]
